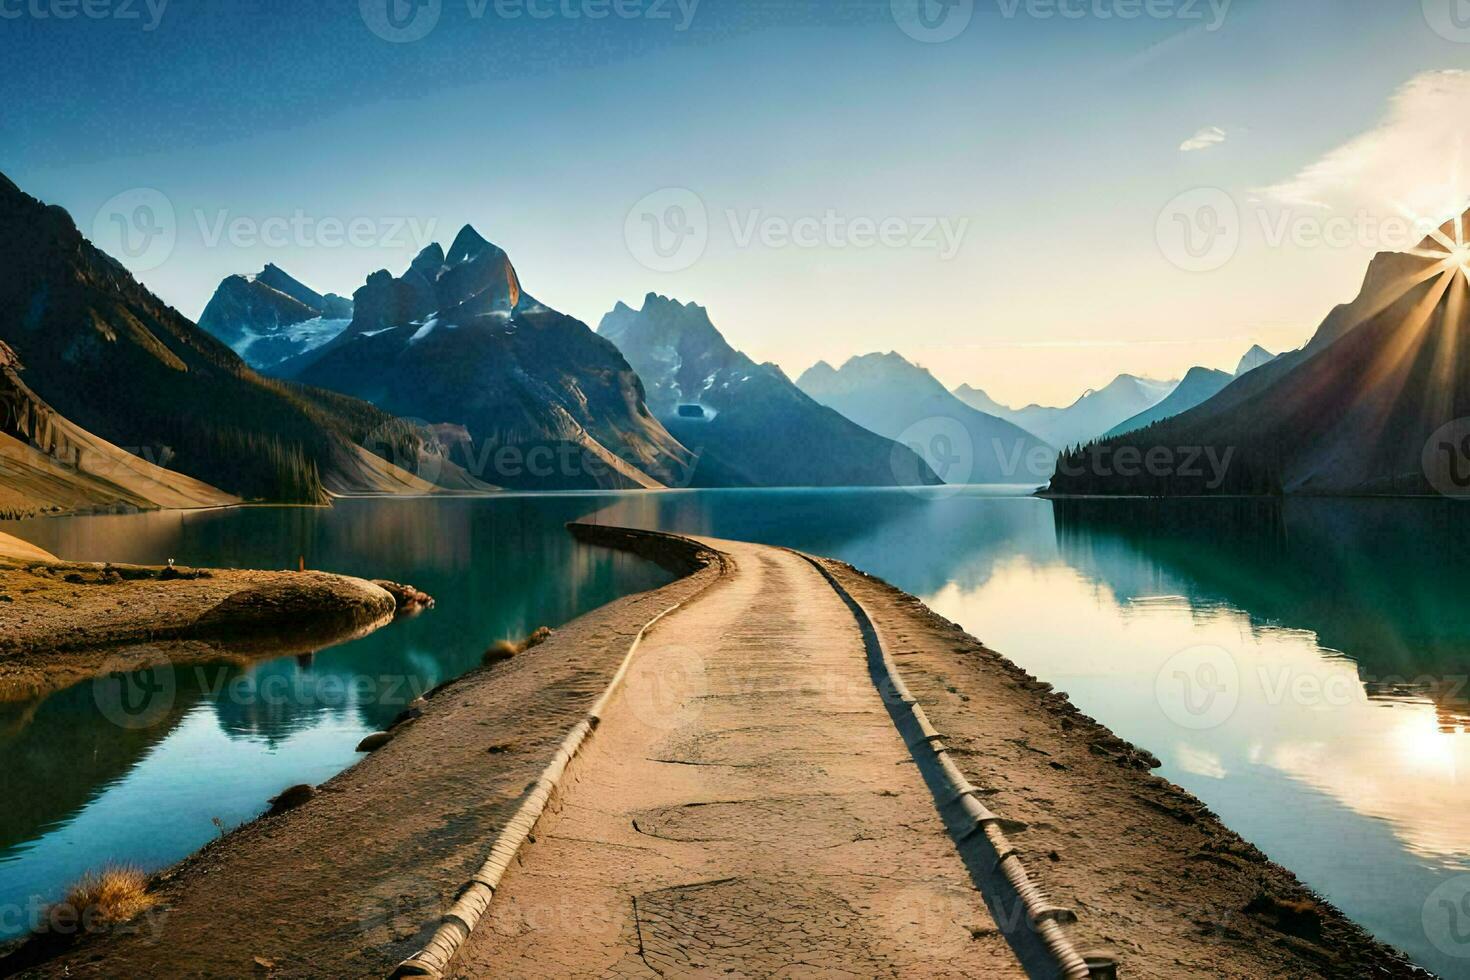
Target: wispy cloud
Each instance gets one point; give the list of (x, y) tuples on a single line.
[(1204, 139), (1412, 158)]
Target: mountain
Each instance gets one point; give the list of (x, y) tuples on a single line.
[(982, 402), (890, 396), (1095, 412), (1257, 356), (535, 398), (107, 355), (1199, 386), (748, 424), (270, 317), (52, 465), (1369, 406)]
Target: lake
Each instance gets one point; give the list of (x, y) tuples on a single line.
[(1301, 667)]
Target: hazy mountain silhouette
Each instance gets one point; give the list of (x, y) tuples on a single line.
[(749, 424), (897, 399), (1351, 413), (1199, 386)]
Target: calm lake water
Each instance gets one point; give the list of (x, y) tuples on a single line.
[(1300, 667)]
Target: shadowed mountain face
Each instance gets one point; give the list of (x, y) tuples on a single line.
[(1085, 419), (887, 394), (1257, 356), (270, 317), (528, 397), (49, 464), (749, 425), (1366, 407), (112, 358), (1199, 386)]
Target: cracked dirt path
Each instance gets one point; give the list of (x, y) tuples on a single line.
[(747, 809)]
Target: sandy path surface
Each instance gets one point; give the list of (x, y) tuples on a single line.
[(1153, 875), (747, 809)]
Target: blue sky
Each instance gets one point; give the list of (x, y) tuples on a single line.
[(1023, 169)]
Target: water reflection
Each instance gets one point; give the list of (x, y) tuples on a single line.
[(1340, 627), (225, 729)]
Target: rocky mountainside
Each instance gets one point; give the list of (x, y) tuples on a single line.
[(533, 398), (747, 423), (50, 465), (1085, 419), (270, 317), (1199, 386), (110, 357), (1257, 356), (904, 402), (1375, 404)]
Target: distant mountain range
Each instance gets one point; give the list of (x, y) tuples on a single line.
[(1199, 386), (270, 317), (747, 422), (526, 396), (904, 402), (1351, 413), (1257, 356), (1085, 419), (107, 365)]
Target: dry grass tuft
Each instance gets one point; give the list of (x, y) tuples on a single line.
[(112, 896), (500, 651)]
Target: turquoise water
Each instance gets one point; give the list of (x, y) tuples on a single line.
[(1300, 667)]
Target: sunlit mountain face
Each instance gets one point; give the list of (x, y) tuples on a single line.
[(1363, 408)]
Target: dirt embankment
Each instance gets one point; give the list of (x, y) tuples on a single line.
[(345, 884), (61, 622), (1153, 874)]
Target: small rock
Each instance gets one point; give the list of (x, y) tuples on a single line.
[(374, 741), (290, 799), (537, 638)]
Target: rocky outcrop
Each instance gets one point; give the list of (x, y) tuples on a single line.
[(538, 400), (748, 424), (269, 318)]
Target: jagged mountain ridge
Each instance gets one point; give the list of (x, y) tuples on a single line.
[(270, 317), (747, 422), (116, 361), (539, 400), (904, 402), (1200, 384)]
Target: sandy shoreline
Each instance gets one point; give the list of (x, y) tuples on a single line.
[(347, 884)]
